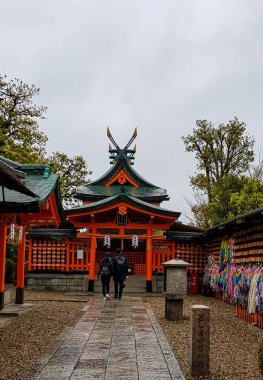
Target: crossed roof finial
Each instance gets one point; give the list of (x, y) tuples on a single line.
[(126, 153)]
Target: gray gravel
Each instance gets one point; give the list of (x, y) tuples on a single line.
[(233, 342), (23, 339)]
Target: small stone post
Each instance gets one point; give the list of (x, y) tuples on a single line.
[(175, 288), (200, 340)]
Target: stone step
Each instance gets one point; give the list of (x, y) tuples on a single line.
[(133, 285)]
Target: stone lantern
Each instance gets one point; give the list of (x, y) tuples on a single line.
[(175, 288)]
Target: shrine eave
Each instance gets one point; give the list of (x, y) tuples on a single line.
[(122, 197), (55, 233), (10, 177), (40, 182), (180, 235), (97, 193), (124, 165)]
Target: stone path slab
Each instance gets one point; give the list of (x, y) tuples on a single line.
[(116, 339)]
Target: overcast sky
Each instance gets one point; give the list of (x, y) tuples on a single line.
[(157, 65)]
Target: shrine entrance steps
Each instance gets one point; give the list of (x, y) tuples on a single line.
[(112, 340), (134, 285)]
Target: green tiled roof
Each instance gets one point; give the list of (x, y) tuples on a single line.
[(125, 198), (40, 181), (146, 190), (99, 192)]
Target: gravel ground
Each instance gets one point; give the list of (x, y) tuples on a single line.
[(36, 295), (25, 338), (233, 342)]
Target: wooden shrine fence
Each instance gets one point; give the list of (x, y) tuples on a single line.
[(58, 256), (255, 318)]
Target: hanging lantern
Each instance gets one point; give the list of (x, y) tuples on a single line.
[(12, 231), (135, 241), (20, 234), (107, 241)]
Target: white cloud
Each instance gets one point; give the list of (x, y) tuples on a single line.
[(157, 65)]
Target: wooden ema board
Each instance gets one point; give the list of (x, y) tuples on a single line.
[(248, 244), (47, 255), (191, 253), (57, 256), (63, 256)]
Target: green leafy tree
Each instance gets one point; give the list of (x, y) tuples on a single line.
[(220, 207), (73, 172), (219, 151), (200, 210), (222, 153), (20, 138), (249, 198)]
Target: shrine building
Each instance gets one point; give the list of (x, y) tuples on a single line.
[(122, 210)]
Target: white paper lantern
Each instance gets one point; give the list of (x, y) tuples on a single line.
[(20, 234), (12, 231), (135, 241), (107, 241)]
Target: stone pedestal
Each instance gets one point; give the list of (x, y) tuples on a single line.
[(200, 340), (174, 308), (175, 288)]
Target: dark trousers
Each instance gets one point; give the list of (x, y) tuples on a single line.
[(105, 282), (118, 282)]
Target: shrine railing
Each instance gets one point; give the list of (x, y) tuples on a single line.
[(255, 318)]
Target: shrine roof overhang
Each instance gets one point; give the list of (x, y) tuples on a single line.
[(121, 164), (44, 185), (10, 178), (54, 233), (182, 235), (144, 193), (121, 197), (256, 214), (179, 226)]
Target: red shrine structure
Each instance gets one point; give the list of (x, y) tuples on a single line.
[(29, 198), (122, 210)]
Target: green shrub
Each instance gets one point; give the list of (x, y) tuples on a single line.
[(260, 354), (9, 270)]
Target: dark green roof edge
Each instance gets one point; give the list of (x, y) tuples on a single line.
[(67, 232), (122, 163), (125, 198), (19, 208), (179, 235), (247, 215), (98, 192)]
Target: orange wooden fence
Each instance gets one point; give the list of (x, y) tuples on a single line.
[(160, 255), (256, 318), (61, 256)]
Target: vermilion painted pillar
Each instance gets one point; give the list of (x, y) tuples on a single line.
[(92, 261), (149, 264), (2, 262), (20, 274)]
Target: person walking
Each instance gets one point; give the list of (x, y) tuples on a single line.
[(120, 271), (105, 272)]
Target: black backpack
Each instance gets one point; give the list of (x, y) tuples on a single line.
[(105, 271), (120, 264)]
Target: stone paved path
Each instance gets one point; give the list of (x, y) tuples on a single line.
[(113, 340)]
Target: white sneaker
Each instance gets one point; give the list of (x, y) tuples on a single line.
[(104, 298), (108, 297)]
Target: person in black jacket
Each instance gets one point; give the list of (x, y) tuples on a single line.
[(105, 273), (120, 271)]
